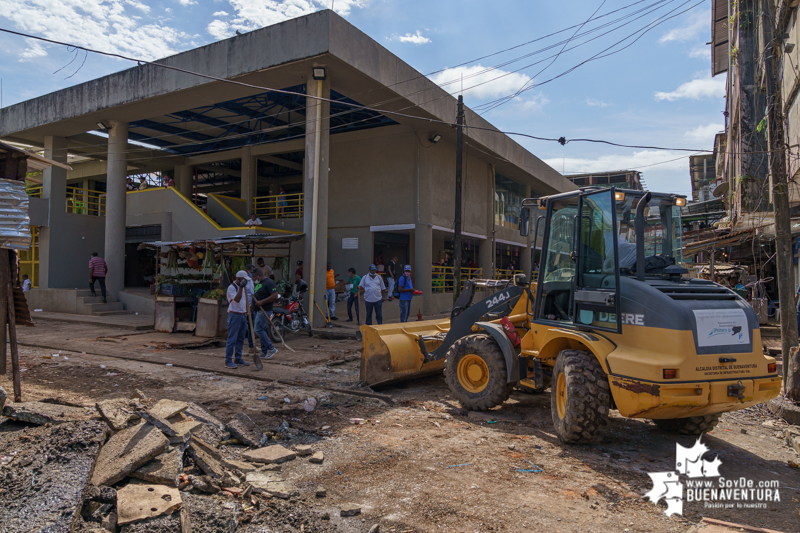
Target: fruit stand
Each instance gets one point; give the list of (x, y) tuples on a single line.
[(192, 278)]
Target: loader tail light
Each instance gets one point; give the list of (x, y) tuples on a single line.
[(670, 373), (772, 368)]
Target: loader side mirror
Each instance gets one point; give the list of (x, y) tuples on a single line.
[(524, 221)]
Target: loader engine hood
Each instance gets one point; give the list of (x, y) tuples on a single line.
[(720, 320)]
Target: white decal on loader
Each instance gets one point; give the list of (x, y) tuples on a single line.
[(627, 318), (497, 300)]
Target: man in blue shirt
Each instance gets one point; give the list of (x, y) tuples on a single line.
[(406, 289)]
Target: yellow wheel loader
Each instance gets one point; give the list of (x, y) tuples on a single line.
[(610, 323)]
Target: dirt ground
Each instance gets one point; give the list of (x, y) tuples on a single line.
[(419, 463)]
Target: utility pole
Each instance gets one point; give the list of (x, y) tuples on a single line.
[(783, 233), (457, 228)]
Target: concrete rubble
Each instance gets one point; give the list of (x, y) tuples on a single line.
[(139, 478)]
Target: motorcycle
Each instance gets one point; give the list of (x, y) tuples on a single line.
[(292, 316)]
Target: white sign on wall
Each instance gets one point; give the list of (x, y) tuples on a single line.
[(350, 243), (722, 327)]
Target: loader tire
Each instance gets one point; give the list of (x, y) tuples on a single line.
[(475, 371), (579, 397), (694, 425)]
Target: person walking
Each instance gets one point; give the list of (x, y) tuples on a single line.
[(281, 203), (330, 292), (237, 320), (266, 293), (97, 272), (391, 270), (26, 284), (406, 289), (352, 298), (250, 270), (374, 292)]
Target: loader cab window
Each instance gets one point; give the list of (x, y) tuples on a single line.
[(662, 233), (558, 271)]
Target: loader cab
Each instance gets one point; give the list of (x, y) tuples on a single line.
[(589, 240)]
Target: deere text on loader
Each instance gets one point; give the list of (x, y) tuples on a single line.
[(610, 323)]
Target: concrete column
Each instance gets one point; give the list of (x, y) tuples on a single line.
[(525, 259), (249, 178), (116, 208), (166, 226), (52, 237), (315, 209), (486, 251), (184, 180), (423, 261)]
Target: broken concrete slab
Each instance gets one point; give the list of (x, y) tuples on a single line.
[(317, 458), (128, 450), (186, 428), (321, 492), (167, 408), (204, 484), (61, 457), (792, 436), (164, 469), (44, 413), (137, 502), (165, 427), (269, 468), (201, 415), (206, 462), (260, 480), (349, 509), (244, 432), (100, 494), (786, 410), (282, 489), (117, 413), (274, 454), (303, 450)]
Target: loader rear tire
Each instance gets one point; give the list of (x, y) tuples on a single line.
[(694, 425), (579, 397), (475, 371)]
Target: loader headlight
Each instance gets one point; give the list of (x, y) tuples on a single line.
[(619, 196), (680, 202)]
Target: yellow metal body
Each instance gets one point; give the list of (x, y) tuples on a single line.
[(633, 360)]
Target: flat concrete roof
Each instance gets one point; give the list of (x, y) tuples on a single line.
[(276, 57)]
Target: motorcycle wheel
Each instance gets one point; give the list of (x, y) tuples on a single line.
[(273, 337)]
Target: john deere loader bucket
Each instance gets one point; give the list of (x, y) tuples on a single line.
[(392, 352)]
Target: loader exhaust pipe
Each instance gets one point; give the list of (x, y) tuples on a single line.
[(640, 235)]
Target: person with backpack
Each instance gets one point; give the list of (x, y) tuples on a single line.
[(406, 289)]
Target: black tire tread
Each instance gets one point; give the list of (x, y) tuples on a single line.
[(693, 425), (497, 390), (588, 397)]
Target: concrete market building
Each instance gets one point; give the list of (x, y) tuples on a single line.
[(356, 182)]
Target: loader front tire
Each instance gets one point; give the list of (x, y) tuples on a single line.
[(475, 371), (579, 397), (694, 425)]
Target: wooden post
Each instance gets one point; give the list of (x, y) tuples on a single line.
[(6, 258)]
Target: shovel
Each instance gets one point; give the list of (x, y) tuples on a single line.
[(256, 358), (275, 329)]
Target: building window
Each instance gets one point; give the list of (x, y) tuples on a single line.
[(508, 198)]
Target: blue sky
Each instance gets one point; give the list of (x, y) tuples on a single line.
[(656, 92)]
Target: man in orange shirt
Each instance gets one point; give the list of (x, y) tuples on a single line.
[(330, 293)]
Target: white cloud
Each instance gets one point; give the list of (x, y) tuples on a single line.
[(696, 89), (701, 51), (695, 25), (221, 14), (99, 24), (704, 134), (413, 38), (219, 29), (33, 51), (144, 8), (609, 162), (480, 82), (592, 102), (254, 14), (187, 2)]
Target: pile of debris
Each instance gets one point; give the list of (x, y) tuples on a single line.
[(63, 475)]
